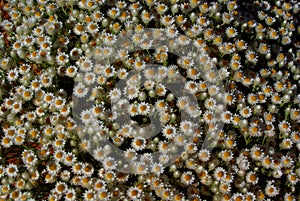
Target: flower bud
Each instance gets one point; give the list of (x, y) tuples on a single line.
[(173, 168), (170, 97), (177, 173), (174, 9)]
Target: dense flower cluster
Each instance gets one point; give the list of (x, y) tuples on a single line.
[(240, 64)]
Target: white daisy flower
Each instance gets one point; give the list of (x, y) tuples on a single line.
[(70, 195), (87, 116), (231, 32), (114, 95), (11, 170), (160, 89), (12, 75), (187, 178), (169, 132), (138, 143), (143, 108), (80, 90), (251, 56), (134, 193)]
